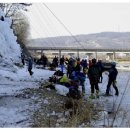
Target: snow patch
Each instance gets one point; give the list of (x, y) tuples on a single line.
[(62, 90)]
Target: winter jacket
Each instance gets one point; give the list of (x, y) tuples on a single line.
[(113, 73), (101, 66), (30, 63), (62, 61), (64, 79), (94, 73)]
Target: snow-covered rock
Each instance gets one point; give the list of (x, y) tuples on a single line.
[(62, 90), (62, 120), (10, 50), (46, 101)]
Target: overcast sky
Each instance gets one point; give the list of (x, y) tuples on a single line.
[(79, 18)]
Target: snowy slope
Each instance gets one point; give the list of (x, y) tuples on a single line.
[(10, 50)]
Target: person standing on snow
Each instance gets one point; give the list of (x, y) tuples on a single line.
[(100, 64), (94, 75), (62, 60), (30, 64), (55, 61), (23, 59), (112, 79)]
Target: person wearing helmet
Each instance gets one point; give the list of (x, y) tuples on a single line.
[(94, 75), (112, 79)]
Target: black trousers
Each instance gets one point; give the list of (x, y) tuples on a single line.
[(23, 62), (111, 82), (93, 87), (30, 71)]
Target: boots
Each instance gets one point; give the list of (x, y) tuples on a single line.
[(97, 93), (117, 92), (92, 96)]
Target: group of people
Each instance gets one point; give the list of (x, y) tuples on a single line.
[(95, 76), (76, 72)]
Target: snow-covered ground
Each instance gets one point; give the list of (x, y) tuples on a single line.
[(114, 103), (13, 110)]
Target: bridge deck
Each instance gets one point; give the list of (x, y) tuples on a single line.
[(79, 49)]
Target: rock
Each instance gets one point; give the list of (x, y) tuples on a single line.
[(67, 113), (48, 114), (57, 124), (59, 115), (62, 120), (45, 101), (53, 113), (48, 89)]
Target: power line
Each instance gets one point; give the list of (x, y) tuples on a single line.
[(53, 27), (63, 24)]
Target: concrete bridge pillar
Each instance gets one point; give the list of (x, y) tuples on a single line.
[(89, 55), (114, 56), (59, 54), (34, 52), (41, 53), (77, 53), (96, 56)]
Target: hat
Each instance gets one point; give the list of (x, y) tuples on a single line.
[(113, 63), (93, 60)]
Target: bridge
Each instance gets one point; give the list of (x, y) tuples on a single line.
[(109, 51), (79, 48)]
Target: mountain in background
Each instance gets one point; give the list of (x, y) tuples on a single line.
[(116, 40)]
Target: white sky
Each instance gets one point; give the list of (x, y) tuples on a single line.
[(79, 18)]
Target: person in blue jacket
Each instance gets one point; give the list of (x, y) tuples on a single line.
[(30, 64), (81, 77)]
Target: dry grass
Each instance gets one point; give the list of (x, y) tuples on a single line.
[(79, 111), (82, 112)]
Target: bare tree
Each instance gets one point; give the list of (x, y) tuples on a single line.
[(20, 24), (21, 27), (10, 9), (19, 21)]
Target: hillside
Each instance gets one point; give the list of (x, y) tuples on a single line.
[(98, 40)]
